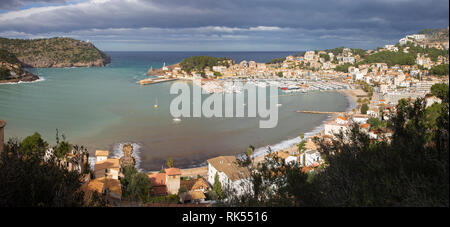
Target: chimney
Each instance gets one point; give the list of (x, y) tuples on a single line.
[(2, 126)]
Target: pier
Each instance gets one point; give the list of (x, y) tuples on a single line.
[(155, 80), (319, 112)]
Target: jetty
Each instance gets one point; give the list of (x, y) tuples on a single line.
[(155, 80), (319, 112)]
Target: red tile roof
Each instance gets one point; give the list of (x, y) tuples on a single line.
[(157, 179), (366, 125), (173, 171)]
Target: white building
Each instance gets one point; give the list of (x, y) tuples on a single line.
[(309, 55), (101, 155), (360, 118), (231, 176), (336, 126), (309, 158)]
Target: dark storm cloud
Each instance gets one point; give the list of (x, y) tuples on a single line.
[(14, 4), (341, 21)]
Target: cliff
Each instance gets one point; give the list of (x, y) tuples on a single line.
[(55, 52), (11, 70)]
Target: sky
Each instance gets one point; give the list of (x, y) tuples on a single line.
[(223, 25)]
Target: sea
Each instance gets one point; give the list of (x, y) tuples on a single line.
[(105, 107)]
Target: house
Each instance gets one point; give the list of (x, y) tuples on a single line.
[(195, 190), (199, 184), (231, 176), (431, 99), (310, 157), (283, 155), (336, 126), (373, 112), (360, 118), (158, 181), (365, 127), (167, 182), (192, 197), (101, 155), (109, 167), (111, 188), (173, 176)]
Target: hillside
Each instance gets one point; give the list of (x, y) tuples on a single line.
[(55, 52), (436, 35), (11, 69)]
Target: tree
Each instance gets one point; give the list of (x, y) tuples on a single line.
[(280, 74), (301, 146), (170, 162), (375, 123), (440, 70), (217, 187), (411, 168), (440, 91), (33, 145), (31, 181), (137, 186), (140, 187), (364, 108), (343, 68)]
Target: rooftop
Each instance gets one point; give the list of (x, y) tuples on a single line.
[(173, 171), (101, 153), (110, 163), (229, 166)]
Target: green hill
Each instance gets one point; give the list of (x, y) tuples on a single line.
[(55, 52), (11, 69)]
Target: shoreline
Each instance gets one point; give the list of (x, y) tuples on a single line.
[(261, 152)]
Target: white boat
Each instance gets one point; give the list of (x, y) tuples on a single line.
[(177, 119)]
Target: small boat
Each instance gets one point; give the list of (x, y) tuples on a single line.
[(156, 104), (279, 104), (177, 119)]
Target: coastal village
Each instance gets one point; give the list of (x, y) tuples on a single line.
[(374, 87)]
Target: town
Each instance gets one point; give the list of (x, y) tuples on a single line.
[(375, 79)]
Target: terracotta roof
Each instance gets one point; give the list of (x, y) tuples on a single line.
[(201, 183), (188, 184), (157, 179), (229, 166), (366, 125), (173, 171), (99, 184), (194, 184), (110, 163), (310, 145), (342, 118), (101, 153)]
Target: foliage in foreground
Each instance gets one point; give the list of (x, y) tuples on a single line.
[(28, 180), (410, 169)]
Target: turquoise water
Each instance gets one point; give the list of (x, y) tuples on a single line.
[(104, 107)]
